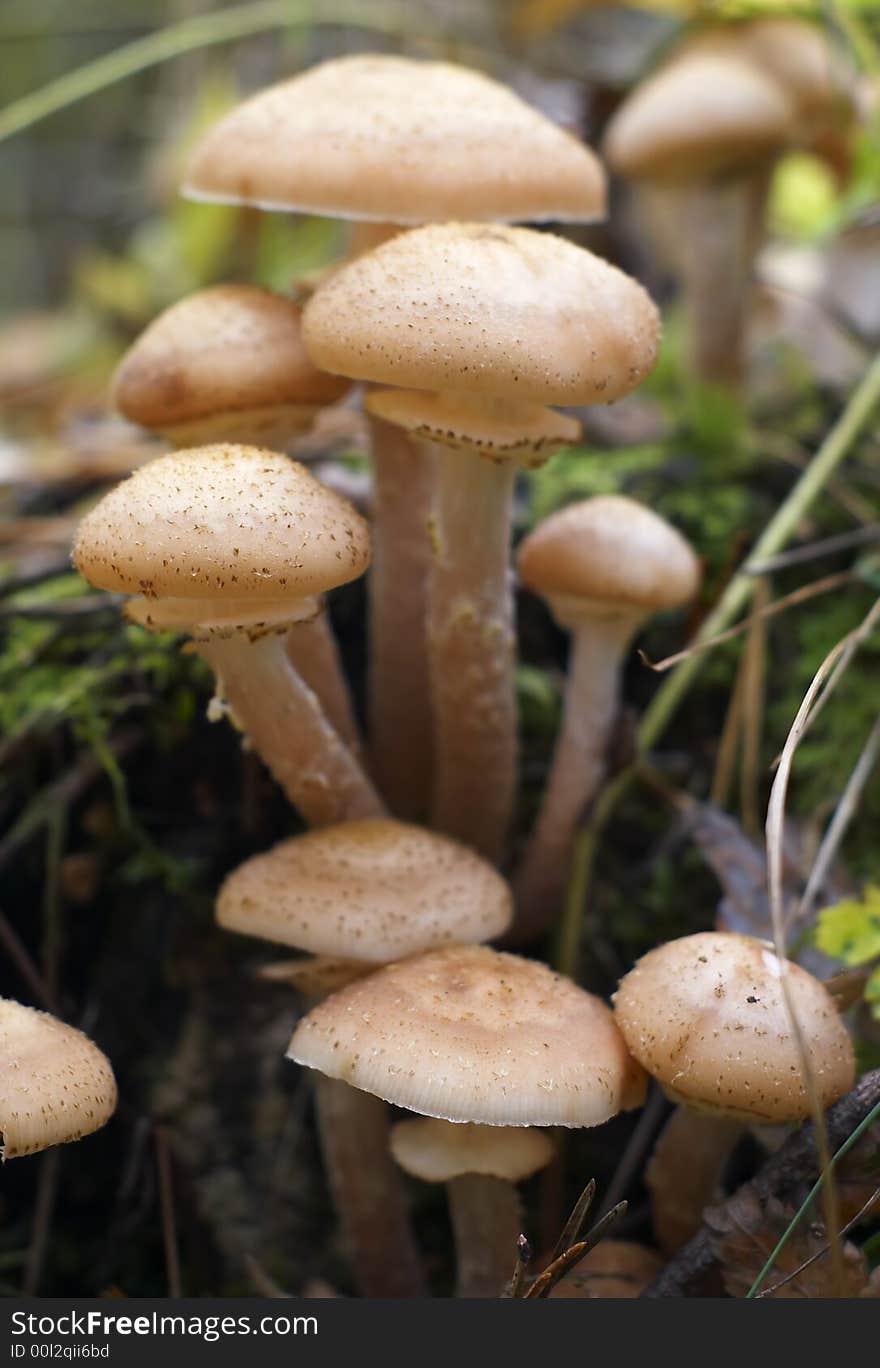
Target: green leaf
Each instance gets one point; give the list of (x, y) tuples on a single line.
[(850, 931)]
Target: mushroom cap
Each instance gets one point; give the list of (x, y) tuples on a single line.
[(55, 1085), (221, 522), (469, 1034), (437, 1151), (485, 309), (707, 1017), (400, 140), (372, 890), (527, 435), (708, 112), (796, 53), (223, 351), (615, 1268), (612, 550), (314, 976)]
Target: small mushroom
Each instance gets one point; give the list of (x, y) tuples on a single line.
[(480, 1166), (603, 565), (228, 365), (231, 544), (494, 323), (55, 1084)]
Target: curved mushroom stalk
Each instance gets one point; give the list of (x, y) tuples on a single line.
[(685, 1171), (578, 766), (487, 1218), (287, 727), (400, 723), (314, 654)]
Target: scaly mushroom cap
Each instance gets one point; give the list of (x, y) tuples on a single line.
[(437, 1151), (609, 550), (505, 313), (706, 113), (232, 354), (707, 1017), (55, 1085), (615, 1268), (222, 523), (469, 1034), (367, 890), (528, 436), (399, 140)]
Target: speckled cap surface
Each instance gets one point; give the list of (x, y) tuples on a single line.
[(609, 549), (707, 112), (437, 1151), (393, 138), (221, 521), (373, 890), (527, 435), (706, 1016), (55, 1085), (470, 1034), (485, 309)]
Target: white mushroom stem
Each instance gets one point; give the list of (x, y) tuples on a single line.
[(579, 761), (486, 1217), (720, 227), (470, 646), (400, 722), (284, 722), (367, 1190), (685, 1171), (314, 654)]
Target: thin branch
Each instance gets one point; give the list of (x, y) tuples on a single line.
[(820, 1253), (828, 546), (571, 1231), (166, 1208)]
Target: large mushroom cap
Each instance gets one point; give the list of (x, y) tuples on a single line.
[(228, 350), (468, 1034), (505, 313), (708, 112), (55, 1085), (221, 522), (368, 890), (612, 550), (707, 1017), (437, 1151), (400, 140)]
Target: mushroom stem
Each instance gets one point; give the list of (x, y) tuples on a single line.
[(721, 225), (399, 694), (576, 771), (470, 647), (685, 1171), (367, 1190), (284, 721), (314, 654), (486, 1217)]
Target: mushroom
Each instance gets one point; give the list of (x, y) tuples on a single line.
[(707, 1017), (228, 365), (387, 140), (55, 1084), (706, 130), (230, 544), (466, 1034), (615, 1268), (480, 1166), (494, 323), (603, 565), (356, 895)]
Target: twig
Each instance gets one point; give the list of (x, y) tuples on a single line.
[(26, 965), (636, 1147), (754, 666), (828, 546), (520, 1268), (47, 1188), (571, 1231), (544, 1284), (820, 1253), (781, 1175), (166, 1208)]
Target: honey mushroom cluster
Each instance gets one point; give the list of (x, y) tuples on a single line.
[(469, 335)]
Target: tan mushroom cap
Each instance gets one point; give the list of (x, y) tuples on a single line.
[(483, 309), (707, 1017), (222, 523), (469, 1034), (610, 550), (372, 890), (438, 1151), (615, 1268), (529, 435), (233, 354), (706, 113), (55, 1085), (399, 140)]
